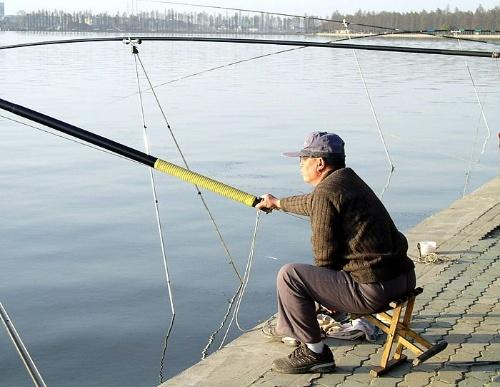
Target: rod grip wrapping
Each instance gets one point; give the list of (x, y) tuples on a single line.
[(206, 182)]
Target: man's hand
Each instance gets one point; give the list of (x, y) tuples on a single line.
[(268, 203)]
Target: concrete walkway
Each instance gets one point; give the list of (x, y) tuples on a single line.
[(460, 304)]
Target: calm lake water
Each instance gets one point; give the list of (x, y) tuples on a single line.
[(81, 271)]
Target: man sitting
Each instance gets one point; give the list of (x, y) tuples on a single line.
[(361, 260)]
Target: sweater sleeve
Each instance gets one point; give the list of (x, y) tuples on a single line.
[(324, 237), (300, 205)]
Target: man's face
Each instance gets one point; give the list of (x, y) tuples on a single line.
[(309, 170)]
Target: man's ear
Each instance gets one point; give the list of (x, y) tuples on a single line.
[(321, 165)]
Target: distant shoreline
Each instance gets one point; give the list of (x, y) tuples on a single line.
[(389, 35)]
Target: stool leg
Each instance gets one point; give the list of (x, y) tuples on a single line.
[(390, 337), (385, 364), (406, 324)]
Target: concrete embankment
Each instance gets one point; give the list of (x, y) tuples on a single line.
[(460, 304)]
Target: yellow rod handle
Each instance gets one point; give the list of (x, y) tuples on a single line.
[(206, 182)]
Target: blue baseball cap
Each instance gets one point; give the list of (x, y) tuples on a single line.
[(321, 144)]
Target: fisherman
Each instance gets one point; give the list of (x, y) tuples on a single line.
[(361, 260)]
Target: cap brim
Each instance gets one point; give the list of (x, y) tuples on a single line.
[(292, 154)]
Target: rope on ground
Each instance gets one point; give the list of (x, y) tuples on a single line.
[(434, 258)]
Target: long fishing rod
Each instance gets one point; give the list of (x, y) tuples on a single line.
[(350, 38), (133, 154), (415, 50)]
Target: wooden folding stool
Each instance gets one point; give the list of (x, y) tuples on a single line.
[(399, 334)]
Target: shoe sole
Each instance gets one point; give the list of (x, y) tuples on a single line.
[(320, 368)]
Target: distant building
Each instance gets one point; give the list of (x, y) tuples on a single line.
[(2, 11)]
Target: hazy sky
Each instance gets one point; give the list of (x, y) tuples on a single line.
[(315, 7)]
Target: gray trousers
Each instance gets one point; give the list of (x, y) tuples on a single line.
[(299, 286)]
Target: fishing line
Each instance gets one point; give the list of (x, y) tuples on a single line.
[(275, 53), (469, 167), (245, 282), (387, 184), (237, 297), (222, 323), (164, 352), (498, 67), (155, 196), (241, 61), (202, 198), (68, 139), (488, 135), (158, 220), (456, 37), (248, 271), (215, 68), (375, 117), (423, 145)]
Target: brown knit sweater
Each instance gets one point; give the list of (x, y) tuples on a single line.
[(351, 228)]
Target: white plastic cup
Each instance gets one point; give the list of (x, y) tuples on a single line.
[(426, 247)]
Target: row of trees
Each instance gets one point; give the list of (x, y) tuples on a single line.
[(440, 19), (155, 21), (173, 21)]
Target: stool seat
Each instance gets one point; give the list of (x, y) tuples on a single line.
[(400, 334)]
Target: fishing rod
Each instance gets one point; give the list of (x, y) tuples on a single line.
[(368, 47), (133, 154)]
